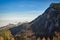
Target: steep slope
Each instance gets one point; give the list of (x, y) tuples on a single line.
[(48, 22)]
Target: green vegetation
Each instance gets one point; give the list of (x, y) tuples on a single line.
[(5, 34)]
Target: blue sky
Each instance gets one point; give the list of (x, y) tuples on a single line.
[(14, 11)]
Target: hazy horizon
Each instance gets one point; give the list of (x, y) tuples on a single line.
[(14, 11)]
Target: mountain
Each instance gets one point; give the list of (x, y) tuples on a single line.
[(25, 35), (47, 23), (44, 25), (19, 23), (8, 26), (19, 28)]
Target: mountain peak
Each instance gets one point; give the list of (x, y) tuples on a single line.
[(55, 6)]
